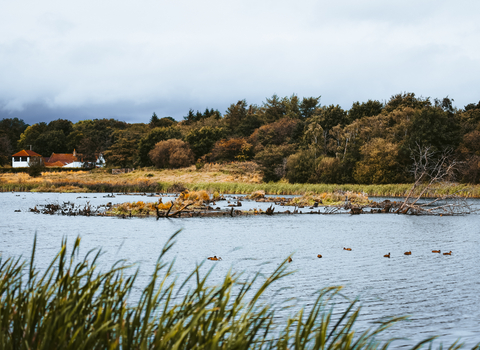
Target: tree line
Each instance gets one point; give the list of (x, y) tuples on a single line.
[(294, 138)]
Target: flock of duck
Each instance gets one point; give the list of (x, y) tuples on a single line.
[(214, 258), (410, 253)]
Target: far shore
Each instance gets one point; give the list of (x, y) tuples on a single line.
[(230, 178)]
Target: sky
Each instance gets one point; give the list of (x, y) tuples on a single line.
[(121, 59)]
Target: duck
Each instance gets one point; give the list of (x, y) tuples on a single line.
[(436, 251), (449, 253), (408, 253), (214, 258), (349, 249), (319, 255), (387, 255), (290, 259)]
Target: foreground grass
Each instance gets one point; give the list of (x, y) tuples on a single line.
[(241, 178), (75, 306)]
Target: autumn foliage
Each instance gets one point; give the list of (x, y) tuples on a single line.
[(171, 153)]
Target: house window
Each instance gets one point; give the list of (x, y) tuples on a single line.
[(24, 159), (16, 159)]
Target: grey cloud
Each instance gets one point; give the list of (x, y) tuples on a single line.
[(119, 59)]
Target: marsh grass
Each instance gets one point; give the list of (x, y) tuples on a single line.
[(240, 178), (73, 305)]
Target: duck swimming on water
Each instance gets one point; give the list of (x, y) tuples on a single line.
[(214, 258), (387, 255), (349, 249), (408, 253)]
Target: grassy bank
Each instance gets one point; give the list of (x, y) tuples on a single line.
[(73, 305), (231, 178)]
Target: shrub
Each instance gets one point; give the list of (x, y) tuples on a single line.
[(35, 166), (202, 140), (272, 161), (231, 150), (300, 167), (328, 171), (171, 153)]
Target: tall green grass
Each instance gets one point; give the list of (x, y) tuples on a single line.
[(277, 188), (73, 305)]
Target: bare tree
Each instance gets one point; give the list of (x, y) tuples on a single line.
[(429, 169)]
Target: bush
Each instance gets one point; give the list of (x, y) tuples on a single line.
[(272, 161), (328, 171), (202, 140), (231, 150), (35, 166), (301, 167), (172, 153)]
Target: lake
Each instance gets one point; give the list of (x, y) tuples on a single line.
[(440, 293)]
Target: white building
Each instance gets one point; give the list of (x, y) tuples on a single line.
[(22, 158)]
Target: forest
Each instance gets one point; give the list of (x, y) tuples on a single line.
[(294, 138)]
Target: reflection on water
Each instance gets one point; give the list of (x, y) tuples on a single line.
[(441, 293)]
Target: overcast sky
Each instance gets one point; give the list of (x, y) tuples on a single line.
[(126, 59)]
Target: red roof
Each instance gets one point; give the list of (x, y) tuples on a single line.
[(65, 158), (55, 164), (28, 153)]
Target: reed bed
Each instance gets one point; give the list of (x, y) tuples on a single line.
[(73, 305), (212, 178)]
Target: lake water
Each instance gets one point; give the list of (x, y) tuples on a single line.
[(440, 293)]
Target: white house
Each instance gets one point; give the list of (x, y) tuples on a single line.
[(65, 160), (22, 158)]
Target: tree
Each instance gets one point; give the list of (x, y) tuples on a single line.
[(12, 128), (434, 128), (193, 117), (275, 133), (154, 120), (300, 167), (429, 169), (314, 136), (99, 131), (88, 149), (272, 160), (29, 137), (171, 153), (328, 118), (234, 115), (201, 140), (52, 141), (6, 150), (147, 142), (165, 122), (309, 106), (364, 109), (64, 125), (406, 100), (231, 150), (328, 171), (124, 151), (379, 164), (273, 109), (469, 153)]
